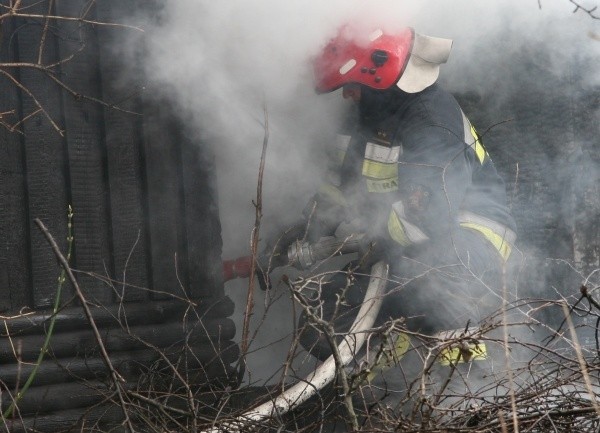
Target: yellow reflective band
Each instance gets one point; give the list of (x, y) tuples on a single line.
[(379, 170), (390, 356), (396, 230), (402, 345), (339, 156), (478, 146), (337, 152), (454, 355), (385, 185), (498, 241), (333, 194)]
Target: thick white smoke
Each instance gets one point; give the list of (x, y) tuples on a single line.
[(225, 60)]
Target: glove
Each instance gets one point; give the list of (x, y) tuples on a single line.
[(321, 218), (274, 255)]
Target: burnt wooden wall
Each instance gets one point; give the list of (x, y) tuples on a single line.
[(146, 232)]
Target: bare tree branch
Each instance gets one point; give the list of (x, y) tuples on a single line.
[(244, 344), (590, 11), (116, 377)]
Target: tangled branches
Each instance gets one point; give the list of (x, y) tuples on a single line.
[(519, 370), (591, 11), (400, 381), (40, 40)]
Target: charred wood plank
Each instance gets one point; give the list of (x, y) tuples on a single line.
[(53, 398), (14, 234), (203, 227), (83, 343), (106, 417), (115, 315), (45, 152), (86, 152), (85, 392), (163, 178), (68, 420), (205, 360), (121, 88)]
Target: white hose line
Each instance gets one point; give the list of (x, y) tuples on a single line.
[(325, 373)]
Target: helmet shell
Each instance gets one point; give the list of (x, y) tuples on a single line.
[(376, 60)]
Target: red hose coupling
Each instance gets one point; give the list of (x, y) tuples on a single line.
[(237, 268)]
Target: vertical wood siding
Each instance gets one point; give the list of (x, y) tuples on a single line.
[(142, 188), (146, 222)]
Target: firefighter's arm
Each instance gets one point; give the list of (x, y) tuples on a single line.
[(330, 206), (274, 251), (321, 215), (324, 212), (434, 175), (320, 218)]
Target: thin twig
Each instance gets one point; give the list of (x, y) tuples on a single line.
[(511, 380), (50, 332), (329, 332), (35, 101), (116, 377), (244, 343), (582, 363), (44, 33), (590, 11), (73, 19)]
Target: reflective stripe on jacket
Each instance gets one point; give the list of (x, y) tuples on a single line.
[(417, 174)]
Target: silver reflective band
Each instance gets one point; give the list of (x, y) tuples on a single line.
[(385, 154), (500, 229)]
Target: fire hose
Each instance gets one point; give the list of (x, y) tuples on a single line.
[(302, 255), (326, 372)]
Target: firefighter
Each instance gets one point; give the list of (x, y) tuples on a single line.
[(416, 178)]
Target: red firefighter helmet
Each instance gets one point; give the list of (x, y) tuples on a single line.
[(379, 60)]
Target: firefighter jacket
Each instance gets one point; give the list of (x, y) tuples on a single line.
[(414, 170)]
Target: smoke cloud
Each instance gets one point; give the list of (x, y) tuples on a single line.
[(226, 63)]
